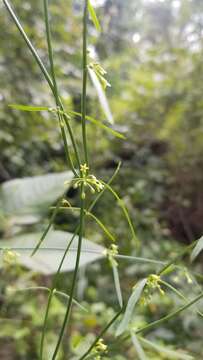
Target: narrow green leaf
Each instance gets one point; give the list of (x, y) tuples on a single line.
[(88, 213), (100, 124), (55, 292), (29, 108), (117, 284), (93, 16), (125, 211), (139, 350), (103, 227), (171, 354), (101, 95), (171, 315), (178, 293), (134, 298), (197, 249)]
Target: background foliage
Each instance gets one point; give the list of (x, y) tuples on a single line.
[(153, 56)]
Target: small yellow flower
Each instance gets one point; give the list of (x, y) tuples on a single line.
[(100, 346), (66, 203), (10, 257), (111, 254), (84, 168)]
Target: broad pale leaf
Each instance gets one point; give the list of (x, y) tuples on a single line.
[(33, 195), (134, 298), (49, 255)]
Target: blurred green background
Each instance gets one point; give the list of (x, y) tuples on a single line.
[(152, 51)]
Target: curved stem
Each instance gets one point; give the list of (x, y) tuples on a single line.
[(92, 205), (100, 335), (44, 72), (177, 257), (125, 211), (55, 90), (52, 293), (69, 306), (171, 315), (84, 82)]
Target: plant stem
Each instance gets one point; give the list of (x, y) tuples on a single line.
[(171, 315), (69, 306), (92, 205), (52, 293), (29, 44), (46, 76), (84, 82), (178, 256), (55, 89), (100, 335)]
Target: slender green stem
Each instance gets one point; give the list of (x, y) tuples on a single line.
[(69, 306), (90, 208), (56, 209), (84, 82), (101, 335), (125, 211), (178, 293), (170, 316), (29, 44), (88, 213), (108, 183), (46, 76), (177, 257), (55, 89), (165, 318), (50, 51), (81, 225), (52, 293), (44, 288)]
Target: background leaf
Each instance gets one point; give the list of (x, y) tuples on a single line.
[(49, 255), (32, 195)]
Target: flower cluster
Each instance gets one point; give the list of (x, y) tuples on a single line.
[(87, 180), (111, 254), (100, 348), (153, 283), (100, 73), (9, 257)]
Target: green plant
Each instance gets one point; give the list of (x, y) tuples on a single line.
[(87, 183)]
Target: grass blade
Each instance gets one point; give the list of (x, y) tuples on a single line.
[(139, 350), (117, 284), (197, 249), (125, 211), (93, 16), (100, 124), (133, 300), (28, 107), (100, 335), (171, 354), (101, 95)]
